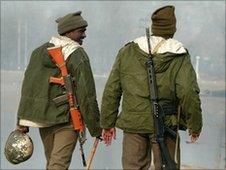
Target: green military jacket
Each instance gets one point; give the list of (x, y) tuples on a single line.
[(36, 102), (176, 82)]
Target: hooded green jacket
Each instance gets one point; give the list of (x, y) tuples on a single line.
[(37, 93), (176, 83)]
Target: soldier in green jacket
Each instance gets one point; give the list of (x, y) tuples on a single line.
[(177, 88), (37, 109)]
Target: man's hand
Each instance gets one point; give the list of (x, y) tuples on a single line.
[(107, 135), (23, 129), (194, 137)]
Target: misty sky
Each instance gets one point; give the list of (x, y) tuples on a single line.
[(25, 25)]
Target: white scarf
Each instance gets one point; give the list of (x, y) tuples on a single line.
[(170, 45), (68, 45)]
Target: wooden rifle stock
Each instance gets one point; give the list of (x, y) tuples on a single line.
[(58, 58)]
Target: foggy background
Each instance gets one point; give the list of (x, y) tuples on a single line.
[(25, 25)]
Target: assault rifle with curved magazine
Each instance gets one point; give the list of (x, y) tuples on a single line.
[(67, 81)]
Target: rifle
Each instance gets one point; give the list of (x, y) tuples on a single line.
[(168, 162), (67, 81)]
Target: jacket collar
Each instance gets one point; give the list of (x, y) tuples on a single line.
[(170, 45), (68, 45)]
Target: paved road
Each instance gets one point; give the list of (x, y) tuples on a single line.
[(207, 153)]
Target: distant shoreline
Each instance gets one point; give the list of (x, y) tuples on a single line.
[(207, 87)]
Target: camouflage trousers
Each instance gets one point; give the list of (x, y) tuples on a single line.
[(138, 150), (59, 143)]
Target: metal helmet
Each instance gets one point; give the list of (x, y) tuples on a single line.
[(19, 147)]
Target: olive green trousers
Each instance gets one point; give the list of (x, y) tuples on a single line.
[(137, 148), (59, 143)]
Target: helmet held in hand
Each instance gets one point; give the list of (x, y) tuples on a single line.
[(19, 147)]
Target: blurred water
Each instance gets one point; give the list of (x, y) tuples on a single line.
[(208, 153), (111, 24)]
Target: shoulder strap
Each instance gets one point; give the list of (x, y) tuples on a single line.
[(154, 51)]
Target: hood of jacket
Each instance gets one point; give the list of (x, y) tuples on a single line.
[(163, 51), (68, 45)]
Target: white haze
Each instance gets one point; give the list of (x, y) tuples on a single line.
[(25, 25)]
